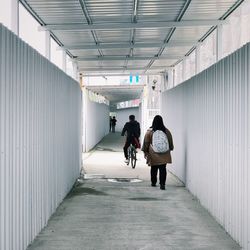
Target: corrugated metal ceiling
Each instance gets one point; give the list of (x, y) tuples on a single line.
[(151, 39)]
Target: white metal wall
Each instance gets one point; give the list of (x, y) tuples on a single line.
[(95, 122), (40, 140), (122, 116), (210, 121)]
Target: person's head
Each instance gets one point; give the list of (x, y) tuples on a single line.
[(158, 124), (113, 117), (131, 118)]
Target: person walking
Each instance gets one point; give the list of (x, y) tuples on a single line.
[(113, 123), (157, 145), (110, 123)]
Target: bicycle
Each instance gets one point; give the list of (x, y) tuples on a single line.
[(132, 155)]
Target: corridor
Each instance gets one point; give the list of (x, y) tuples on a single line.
[(99, 214), (73, 70)]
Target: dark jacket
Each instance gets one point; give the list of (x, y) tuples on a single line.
[(132, 128), (113, 121)]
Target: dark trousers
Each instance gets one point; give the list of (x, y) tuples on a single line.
[(125, 148), (163, 174)]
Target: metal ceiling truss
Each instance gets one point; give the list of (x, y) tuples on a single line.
[(129, 58), (143, 21), (116, 87), (128, 26), (111, 74), (133, 32), (128, 45), (89, 21), (40, 21), (170, 34), (113, 69), (213, 28)]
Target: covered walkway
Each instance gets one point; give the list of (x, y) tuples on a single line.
[(67, 67), (98, 214)]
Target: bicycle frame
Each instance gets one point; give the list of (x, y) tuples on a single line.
[(132, 155)]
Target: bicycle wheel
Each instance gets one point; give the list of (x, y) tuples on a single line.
[(133, 157), (129, 155)]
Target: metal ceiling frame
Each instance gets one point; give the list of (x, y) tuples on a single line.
[(117, 87), (40, 21), (126, 41), (127, 45), (170, 34), (113, 24), (111, 74), (118, 93), (128, 26), (112, 69), (133, 33), (89, 21), (121, 58), (213, 28)]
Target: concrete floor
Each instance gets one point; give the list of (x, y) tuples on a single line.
[(102, 215)]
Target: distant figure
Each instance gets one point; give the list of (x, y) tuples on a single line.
[(113, 123), (133, 131), (158, 143), (110, 123)]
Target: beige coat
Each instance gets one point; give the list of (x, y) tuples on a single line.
[(152, 157)]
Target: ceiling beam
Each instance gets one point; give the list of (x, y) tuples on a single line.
[(85, 11), (131, 69), (135, 11), (113, 74), (128, 45), (125, 26), (133, 32), (121, 58), (114, 87), (89, 21), (170, 34)]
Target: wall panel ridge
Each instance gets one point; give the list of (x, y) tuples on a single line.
[(95, 121), (122, 116), (209, 116), (40, 140)]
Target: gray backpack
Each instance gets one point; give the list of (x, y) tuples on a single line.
[(160, 142)]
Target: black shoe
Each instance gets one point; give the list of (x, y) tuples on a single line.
[(153, 185), (162, 187)]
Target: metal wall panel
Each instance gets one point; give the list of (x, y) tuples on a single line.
[(40, 140), (95, 121), (210, 121), (122, 116)]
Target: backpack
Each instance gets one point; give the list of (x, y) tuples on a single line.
[(160, 142)]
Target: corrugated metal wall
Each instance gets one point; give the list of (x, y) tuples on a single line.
[(40, 140), (95, 122), (122, 116), (210, 121)]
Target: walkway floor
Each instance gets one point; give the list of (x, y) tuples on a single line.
[(103, 215)]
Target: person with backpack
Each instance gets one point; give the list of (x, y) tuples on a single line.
[(157, 144), (133, 131)]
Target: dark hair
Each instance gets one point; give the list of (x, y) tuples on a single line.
[(158, 124), (131, 117)]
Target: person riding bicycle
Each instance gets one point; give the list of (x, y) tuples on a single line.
[(133, 131)]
